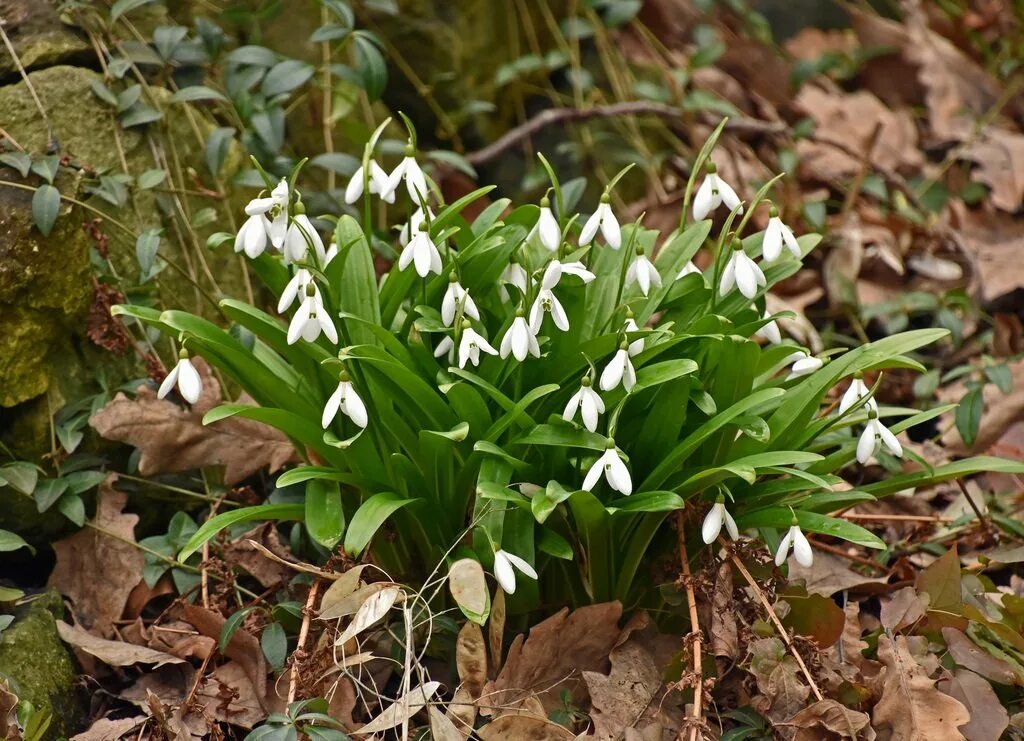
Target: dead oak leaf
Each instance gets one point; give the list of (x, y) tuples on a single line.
[(98, 567), (106, 729), (783, 693), (911, 707), (620, 698), (113, 653), (999, 155), (173, 438), (552, 658), (828, 720), (988, 716)]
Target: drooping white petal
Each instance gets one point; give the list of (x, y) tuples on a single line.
[(354, 407), (783, 552), (852, 395), (380, 183), (312, 235), (745, 279), (590, 228), (169, 381), (590, 407), (730, 525), (297, 325), (189, 383), (790, 241), (446, 345), (888, 440), (729, 197), (515, 274), (594, 474), (628, 375), (524, 567), (613, 372), (802, 549), (548, 231), (558, 314), (259, 206), (503, 573), (278, 229), (449, 304), (572, 405), (707, 198), (617, 473), (610, 229), (688, 269), (552, 274), (326, 325), (770, 331), (771, 247), (579, 270), (713, 523), (867, 443), (728, 276), (354, 189), (332, 406), (415, 181)]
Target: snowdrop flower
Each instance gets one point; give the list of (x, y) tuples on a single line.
[(408, 170), (446, 345), (185, 376), (636, 346), (770, 331), (379, 183), (297, 287), (619, 368), (688, 269), (455, 297), (252, 237), (413, 225), (547, 302), (505, 574), (713, 522), (605, 220), (775, 236), (514, 274), (587, 401), (310, 320), (801, 548), (421, 252), (642, 272), (546, 228), (519, 340), (577, 269), (803, 364), (613, 469), (712, 193), (332, 252), (275, 204), (874, 436), (347, 401), (857, 391), (300, 236), (741, 272), (471, 345)]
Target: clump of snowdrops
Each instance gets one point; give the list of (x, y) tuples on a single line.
[(538, 390)]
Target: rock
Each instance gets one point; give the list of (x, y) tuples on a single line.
[(39, 667), (39, 37)]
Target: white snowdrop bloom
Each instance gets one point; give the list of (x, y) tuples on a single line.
[(713, 523), (277, 200), (636, 346), (801, 548), (413, 225), (422, 253), (519, 340), (332, 252), (454, 297), (379, 182), (310, 320), (346, 400), (514, 274), (408, 170), (770, 331), (445, 346), (589, 404), (688, 269), (874, 436), (546, 228), (302, 235), (471, 345), (605, 220), (613, 469), (741, 272), (547, 302), (297, 287), (803, 364), (642, 272), (185, 376), (712, 193), (577, 269), (857, 391), (619, 369), (252, 237), (775, 236), (506, 575)]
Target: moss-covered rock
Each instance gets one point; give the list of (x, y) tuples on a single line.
[(39, 666), (39, 37)]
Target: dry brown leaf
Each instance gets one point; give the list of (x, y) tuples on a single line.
[(242, 647), (620, 698), (828, 720), (725, 640), (404, 707), (462, 711), (173, 438), (968, 655), (903, 609), (106, 729), (468, 585), (496, 629), (376, 606), (441, 727), (9, 730), (229, 696), (830, 574), (113, 653), (911, 707), (339, 607), (551, 659), (471, 658), (97, 571), (243, 553), (988, 716), (524, 728), (783, 693)]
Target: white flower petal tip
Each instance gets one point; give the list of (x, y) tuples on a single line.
[(421, 253), (741, 272), (713, 521), (614, 470), (310, 320), (547, 303), (770, 331), (348, 402), (546, 229), (602, 220), (185, 376), (519, 340), (642, 272), (854, 393), (636, 346), (253, 236), (588, 403), (457, 298), (875, 436), (803, 365), (688, 269), (619, 370), (378, 181), (801, 548), (505, 566), (471, 345), (712, 193)]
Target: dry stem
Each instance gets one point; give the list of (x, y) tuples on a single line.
[(307, 612), (698, 670)]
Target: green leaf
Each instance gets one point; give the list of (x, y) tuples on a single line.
[(286, 76), (245, 514), (125, 6), (20, 476), (150, 179), (325, 518), (782, 517), (218, 144), (49, 491), (230, 626), (354, 280), (647, 501), (368, 519), (45, 206), (12, 541), (104, 93), (198, 92), (370, 66), (930, 476), (72, 507), (968, 415), (139, 115), (274, 643)]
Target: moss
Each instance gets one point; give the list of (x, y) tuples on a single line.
[(39, 666), (39, 37)]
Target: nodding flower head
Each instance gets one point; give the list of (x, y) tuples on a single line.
[(875, 436), (775, 236), (422, 253), (612, 468), (602, 219), (712, 193), (546, 229), (311, 319), (456, 297), (713, 521), (504, 572), (619, 369), (741, 272), (471, 345), (347, 401), (642, 272), (519, 340), (795, 538), (185, 376), (587, 402)]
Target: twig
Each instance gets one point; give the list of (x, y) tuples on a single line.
[(698, 669), (775, 619), (848, 556), (552, 116), (898, 518), (970, 500), (28, 83), (307, 612)]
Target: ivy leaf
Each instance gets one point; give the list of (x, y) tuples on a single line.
[(151, 179), (104, 93), (370, 66), (218, 143), (275, 645), (125, 6), (45, 205), (20, 161), (139, 115), (285, 76), (196, 92), (968, 415)]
